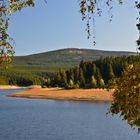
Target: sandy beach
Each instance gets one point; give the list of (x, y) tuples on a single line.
[(63, 94), (2, 87), (6, 87)]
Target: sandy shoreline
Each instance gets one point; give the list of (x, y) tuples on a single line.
[(10, 87), (6, 87), (62, 94)]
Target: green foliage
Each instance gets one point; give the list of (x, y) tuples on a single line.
[(61, 78), (127, 96), (3, 80), (105, 68), (7, 8), (81, 78), (70, 84), (64, 78), (93, 82), (98, 76), (76, 75), (101, 83), (23, 76), (94, 74), (58, 79), (110, 71), (46, 83)]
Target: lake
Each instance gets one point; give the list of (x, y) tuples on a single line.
[(36, 119)]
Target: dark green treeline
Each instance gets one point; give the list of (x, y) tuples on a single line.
[(92, 74), (23, 76), (88, 74)]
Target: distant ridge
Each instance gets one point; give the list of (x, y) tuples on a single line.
[(78, 50), (65, 57)]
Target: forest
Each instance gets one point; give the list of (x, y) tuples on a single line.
[(100, 73)]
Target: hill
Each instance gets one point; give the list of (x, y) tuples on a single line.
[(40, 69), (64, 58)]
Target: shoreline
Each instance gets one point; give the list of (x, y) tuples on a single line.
[(99, 95), (6, 87)]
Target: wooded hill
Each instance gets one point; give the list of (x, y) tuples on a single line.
[(64, 58), (32, 69)]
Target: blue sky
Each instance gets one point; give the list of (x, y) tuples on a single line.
[(58, 25)]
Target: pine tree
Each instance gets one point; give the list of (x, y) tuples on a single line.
[(71, 74), (93, 69), (81, 78), (93, 82), (58, 79), (110, 72), (63, 78), (98, 76), (71, 83), (101, 83), (76, 75)]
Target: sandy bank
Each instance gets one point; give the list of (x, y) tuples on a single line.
[(10, 87), (4, 87), (62, 94)]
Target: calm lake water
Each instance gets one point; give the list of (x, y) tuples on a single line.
[(35, 119)]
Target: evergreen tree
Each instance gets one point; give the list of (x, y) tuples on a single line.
[(68, 75), (71, 83), (81, 78), (76, 75), (58, 79), (71, 74), (101, 83), (110, 72), (93, 82), (93, 69), (83, 67), (63, 78), (88, 71), (98, 76)]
